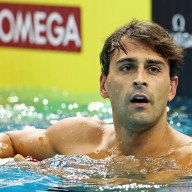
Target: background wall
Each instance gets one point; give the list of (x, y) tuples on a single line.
[(176, 17), (74, 72)]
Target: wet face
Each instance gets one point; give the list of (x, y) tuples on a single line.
[(138, 86)]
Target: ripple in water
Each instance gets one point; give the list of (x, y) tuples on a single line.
[(115, 173)]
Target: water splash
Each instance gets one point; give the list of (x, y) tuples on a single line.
[(118, 173)]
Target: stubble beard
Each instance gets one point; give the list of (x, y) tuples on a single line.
[(133, 121)]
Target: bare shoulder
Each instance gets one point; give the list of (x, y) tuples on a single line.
[(182, 138), (81, 129), (80, 123), (181, 148), (78, 135), (184, 156)]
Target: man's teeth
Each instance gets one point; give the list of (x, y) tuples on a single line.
[(139, 99)]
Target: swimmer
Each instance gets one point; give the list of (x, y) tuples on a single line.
[(140, 65)]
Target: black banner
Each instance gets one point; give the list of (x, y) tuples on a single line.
[(176, 17)]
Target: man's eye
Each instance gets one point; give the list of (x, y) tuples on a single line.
[(154, 69), (126, 68)]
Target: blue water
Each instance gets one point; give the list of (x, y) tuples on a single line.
[(80, 173), (15, 179)]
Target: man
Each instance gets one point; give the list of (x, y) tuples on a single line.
[(140, 65)]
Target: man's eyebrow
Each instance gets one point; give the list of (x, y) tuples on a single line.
[(155, 62), (126, 60), (134, 60)]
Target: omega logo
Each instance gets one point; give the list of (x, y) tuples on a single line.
[(178, 22), (40, 26), (182, 38)]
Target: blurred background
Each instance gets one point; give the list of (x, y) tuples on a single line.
[(49, 49), (50, 70), (30, 62)]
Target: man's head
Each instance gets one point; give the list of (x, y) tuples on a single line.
[(148, 33), (140, 65)]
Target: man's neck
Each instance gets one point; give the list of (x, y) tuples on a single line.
[(150, 142)]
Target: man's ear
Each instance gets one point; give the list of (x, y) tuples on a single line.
[(103, 90), (173, 89)]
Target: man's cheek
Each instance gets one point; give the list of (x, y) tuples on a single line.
[(114, 90)]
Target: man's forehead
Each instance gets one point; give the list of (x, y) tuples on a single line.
[(131, 44), (134, 48)]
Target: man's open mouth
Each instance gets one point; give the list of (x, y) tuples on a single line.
[(139, 99)]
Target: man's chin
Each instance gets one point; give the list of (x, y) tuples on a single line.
[(142, 120)]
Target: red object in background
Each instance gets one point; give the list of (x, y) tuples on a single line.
[(40, 26)]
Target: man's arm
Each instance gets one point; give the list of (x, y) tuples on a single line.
[(70, 136), (6, 149), (31, 142)]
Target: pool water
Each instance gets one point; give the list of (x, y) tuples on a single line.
[(81, 173), (15, 179)]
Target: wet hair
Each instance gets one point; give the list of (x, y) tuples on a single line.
[(148, 33)]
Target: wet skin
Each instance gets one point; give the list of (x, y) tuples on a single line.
[(139, 87), (140, 73)]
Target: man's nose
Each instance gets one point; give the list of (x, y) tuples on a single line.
[(140, 79)]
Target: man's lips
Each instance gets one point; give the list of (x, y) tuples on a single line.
[(139, 99)]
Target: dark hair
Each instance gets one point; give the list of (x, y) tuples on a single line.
[(148, 33)]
